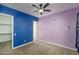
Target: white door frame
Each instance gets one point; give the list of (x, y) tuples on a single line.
[(12, 27)]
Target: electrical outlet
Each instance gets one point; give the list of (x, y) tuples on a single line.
[(24, 40)]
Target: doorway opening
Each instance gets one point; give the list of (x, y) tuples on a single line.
[(6, 31), (35, 30)]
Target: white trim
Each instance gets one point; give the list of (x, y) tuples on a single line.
[(6, 14), (12, 31), (23, 45), (58, 45)]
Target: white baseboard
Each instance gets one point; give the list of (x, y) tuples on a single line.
[(22, 45), (58, 45)]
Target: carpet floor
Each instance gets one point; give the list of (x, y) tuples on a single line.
[(35, 48)]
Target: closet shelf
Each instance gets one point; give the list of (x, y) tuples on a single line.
[(6, 24), (5, 33)]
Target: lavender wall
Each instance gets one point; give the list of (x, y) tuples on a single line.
[(59, 28)]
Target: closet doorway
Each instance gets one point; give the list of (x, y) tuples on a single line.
[(6, 31)]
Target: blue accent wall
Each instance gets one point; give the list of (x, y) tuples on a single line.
[(23, 25)]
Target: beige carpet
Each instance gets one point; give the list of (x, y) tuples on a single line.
[(35, 48)]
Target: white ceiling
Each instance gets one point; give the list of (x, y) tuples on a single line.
[(28, 8)]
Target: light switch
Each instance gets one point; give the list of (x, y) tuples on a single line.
[(15, 34)]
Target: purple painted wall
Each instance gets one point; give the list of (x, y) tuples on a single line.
[(59, 28)]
